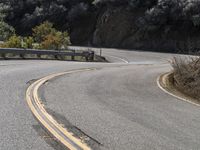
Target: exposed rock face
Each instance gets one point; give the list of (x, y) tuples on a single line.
[(82, 31), (116, 27), (113, 26)]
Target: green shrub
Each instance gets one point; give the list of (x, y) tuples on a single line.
[(28, 42), (49, 38), (13, 42), (42, 30), (65, 40), (6, 30), (36, 46)]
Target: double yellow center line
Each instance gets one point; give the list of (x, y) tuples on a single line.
[(39, 111)]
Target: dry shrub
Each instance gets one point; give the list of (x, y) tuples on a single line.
[(187, 75), (56, 41)]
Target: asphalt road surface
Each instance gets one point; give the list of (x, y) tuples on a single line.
[(116, 106)]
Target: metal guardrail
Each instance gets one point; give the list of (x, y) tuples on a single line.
[(88, 55)]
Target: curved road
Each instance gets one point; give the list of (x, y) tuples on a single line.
[(116, 106)]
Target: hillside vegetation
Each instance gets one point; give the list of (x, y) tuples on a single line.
[(186, 76), (164, 25)]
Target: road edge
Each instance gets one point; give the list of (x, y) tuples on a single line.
[(46, 120), (165, 83)]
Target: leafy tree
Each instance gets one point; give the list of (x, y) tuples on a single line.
[(41, 31), (5, 29), (161, 18), (49, 37), (26, 14), (55, 41), (51, 41)]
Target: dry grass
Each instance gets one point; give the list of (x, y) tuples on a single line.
[(187, 75)]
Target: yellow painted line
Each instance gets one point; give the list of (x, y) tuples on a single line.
[(32, 95), (163, 78)]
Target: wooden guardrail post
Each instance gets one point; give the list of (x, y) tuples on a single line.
[(4, 56), (39, 56), (73, 55), (22, 56), (56, 57)]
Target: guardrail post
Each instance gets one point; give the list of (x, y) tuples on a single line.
[(100, 52), (73, 56), (56, 57), (4, 56), (38, 56), (62, 57), (22, 56), (91, 56)]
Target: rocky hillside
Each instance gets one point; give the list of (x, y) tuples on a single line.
[(162, 25), (120, 27)]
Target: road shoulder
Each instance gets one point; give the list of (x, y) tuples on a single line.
[(165, 83)]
